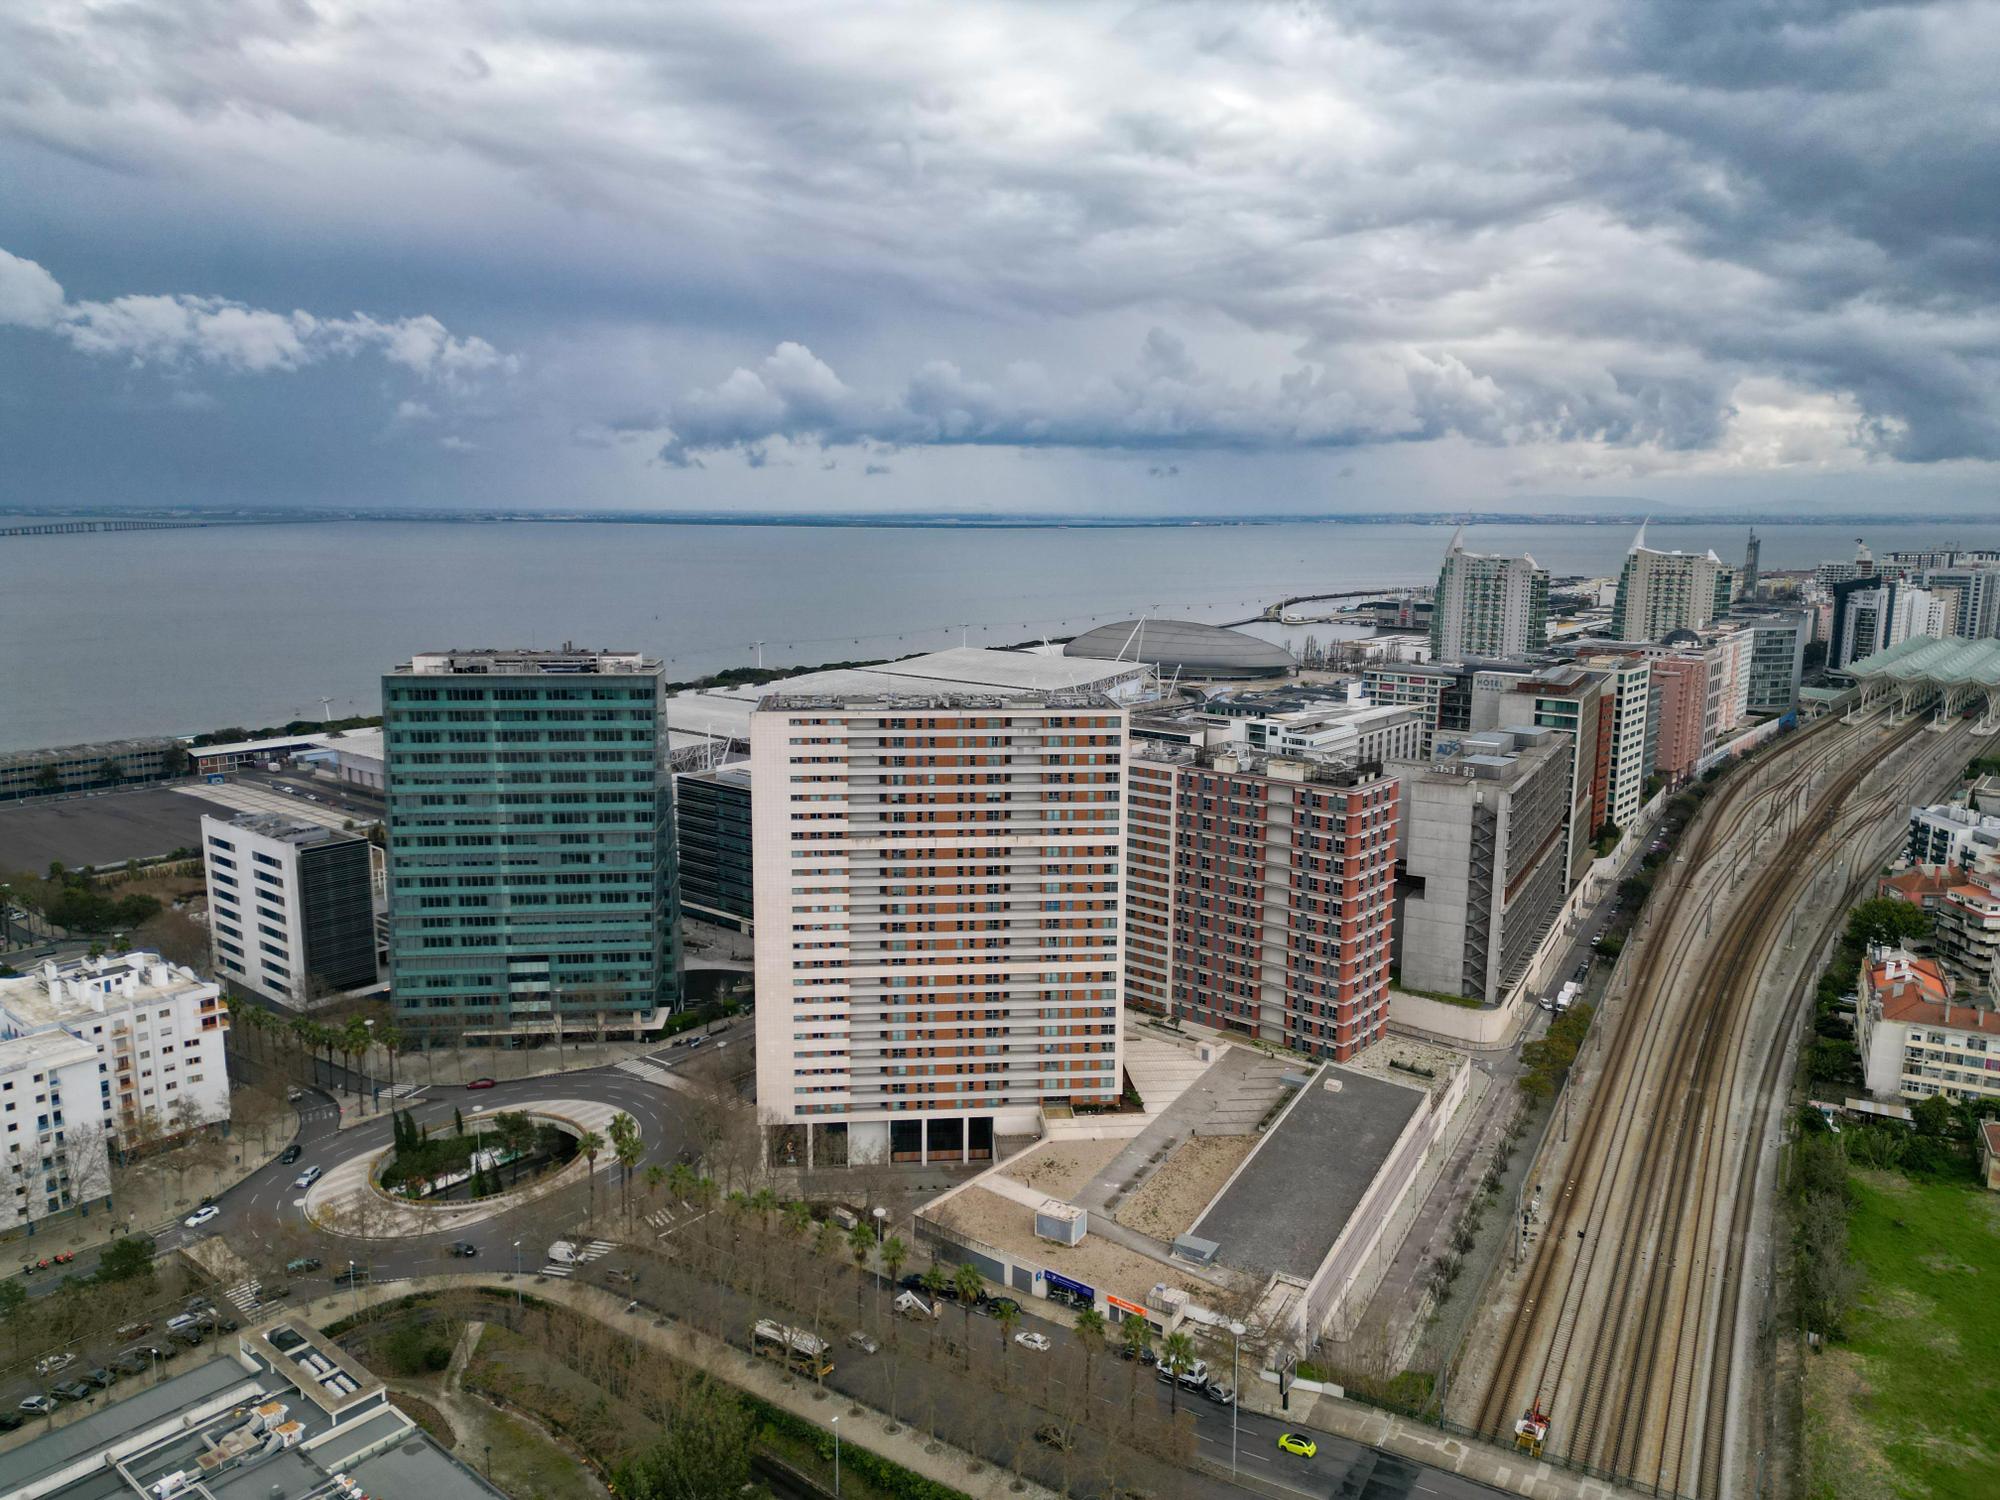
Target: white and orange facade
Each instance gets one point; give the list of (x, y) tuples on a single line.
[(938, 918), (1260, 894), (1917, 1039)]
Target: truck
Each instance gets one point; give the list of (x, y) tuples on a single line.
[(800, 1348), (1566, 996)]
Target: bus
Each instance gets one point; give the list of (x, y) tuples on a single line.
[(803, 1351)]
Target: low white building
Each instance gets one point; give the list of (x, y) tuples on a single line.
[(52, 1140), (291, 907), (157, 1030)]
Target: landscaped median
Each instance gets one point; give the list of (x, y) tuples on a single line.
[(890, 1460)]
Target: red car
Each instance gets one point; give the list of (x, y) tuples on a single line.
[(480, 1083)]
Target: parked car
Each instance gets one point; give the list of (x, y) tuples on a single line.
[(302, 1265), (1219, 1393), (480, 1083), (863, 1342), (1039, 1342), (463, 1249), (352, 1276), (293, 1096), (993, 1306), (275, 1292), (71, 1390), (127, 1331), (10, 1420), (130, 1363), (48, 1364), (202, 1216), (291, 1154), (192, 1337), (99, 1377), (38, 1406), (180, 1321)]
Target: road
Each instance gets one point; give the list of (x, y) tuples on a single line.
[(263, 1211)]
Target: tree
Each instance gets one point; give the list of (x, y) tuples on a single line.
[(628, 1147), (1888, 921), (1008, 1316), (354, 1041), (1176, 1355), (588, 1146), (861, 1243), (1089, 1328), (48, 778), (894, 1254), (391, 1038), (129, 1259), (1935, 1117), (968, 1283), (703, 1449)]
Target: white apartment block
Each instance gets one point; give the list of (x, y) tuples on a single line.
[(1916, 1039), (291, 907), (1659, 592), (1488, 606), (938, 924), (1628, 698), (98, 1053)]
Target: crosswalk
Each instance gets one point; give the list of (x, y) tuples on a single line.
[(639, 1067), (246, 1295), (674, 1218), (595, 1250)]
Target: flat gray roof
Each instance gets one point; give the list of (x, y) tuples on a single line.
[(420, 1470), (1297, 1190), (56, 1450)]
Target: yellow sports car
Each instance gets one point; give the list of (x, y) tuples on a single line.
[(1291, 1442)]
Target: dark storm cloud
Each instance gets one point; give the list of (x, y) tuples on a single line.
[(1739, 236)]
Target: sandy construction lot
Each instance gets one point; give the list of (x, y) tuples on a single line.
[(1010, 1226), (1169, 1201)]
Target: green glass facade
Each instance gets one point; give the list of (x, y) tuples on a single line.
[(531, 867)]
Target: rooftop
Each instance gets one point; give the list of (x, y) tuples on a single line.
[(528, 662), (287, 829), (103, 750), (1924, 658), (1188, 646), (872, 697), (45, 1049), (1287, 1205), (55, 992)]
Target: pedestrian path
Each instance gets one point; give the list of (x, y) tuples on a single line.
[(670, 1221)]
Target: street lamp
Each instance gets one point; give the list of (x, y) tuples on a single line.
[(369, 1022), (517, 1277), (835, 1423), (881, 1222), (1236, 1332)]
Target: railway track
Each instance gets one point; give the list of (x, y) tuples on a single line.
[(1628, 1312)]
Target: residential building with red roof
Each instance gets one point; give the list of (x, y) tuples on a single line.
[(1916, 1039)]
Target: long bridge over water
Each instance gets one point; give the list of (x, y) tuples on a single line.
[(72, 528)]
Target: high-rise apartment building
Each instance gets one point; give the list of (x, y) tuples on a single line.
[(938, 917), (531, 879), (291, 907), (1488, 606), (1778, 642), (1873, 615), (1624, 745), (1660, 592), (1571, 699), (1259, 893), (1485, 864), (1681, 694)]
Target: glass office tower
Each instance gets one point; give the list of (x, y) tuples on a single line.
[(531, 875)]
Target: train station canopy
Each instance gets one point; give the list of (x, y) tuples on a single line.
[(1950, 673)]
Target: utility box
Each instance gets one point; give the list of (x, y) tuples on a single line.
[(1064, 1223)]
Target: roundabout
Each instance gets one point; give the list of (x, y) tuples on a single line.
[(350, 1200)]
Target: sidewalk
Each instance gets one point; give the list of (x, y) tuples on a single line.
[(871, 1429), (1464, 1457)]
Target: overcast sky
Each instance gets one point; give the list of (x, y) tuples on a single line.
[(971, 255)]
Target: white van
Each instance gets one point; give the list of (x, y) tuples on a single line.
[(563, 1253)]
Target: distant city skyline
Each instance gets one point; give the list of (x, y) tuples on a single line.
[(1094, 259)]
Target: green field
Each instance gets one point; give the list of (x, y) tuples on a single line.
[(1909, 1405)]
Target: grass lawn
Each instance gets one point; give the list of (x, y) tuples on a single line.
[(1909, 1406)]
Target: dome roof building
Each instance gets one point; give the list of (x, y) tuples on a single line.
[(1185, 647)]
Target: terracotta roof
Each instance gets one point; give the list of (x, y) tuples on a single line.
[(1921, 881), (1990, 1129)]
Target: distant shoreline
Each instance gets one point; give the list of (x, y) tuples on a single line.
[(943, 521)]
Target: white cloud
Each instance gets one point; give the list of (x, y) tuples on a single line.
[(182, 329)]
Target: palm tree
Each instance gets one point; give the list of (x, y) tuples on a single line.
[(655, 1175), (894, 1254), (1007, 1315), (389, 1036), (967, 1281), (861, 1242), (1176, 1355), (1089, 1328), (627, 1144), (681, 1181), (1137, 1336), (935, 1281), (588, 1145), (354, 1045)]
